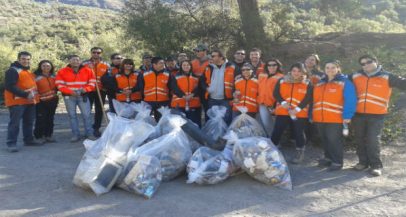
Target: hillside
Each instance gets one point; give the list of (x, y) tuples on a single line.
[(105, 4)]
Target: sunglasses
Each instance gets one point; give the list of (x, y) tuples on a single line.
[(366, 63), (272, 65), (118, 58), (246, 69), (239, 53), (96, 52)]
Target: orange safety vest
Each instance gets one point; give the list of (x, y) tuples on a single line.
[(46, 87), (98, 68), (249, 93), (259, 69), (187, 84), (373, 93), (125, 82), (266, 87), (328, 102), (228, 80), (156, 86), (67, 81), (293, 94), (26, 82), (199, 68), (315, 77)]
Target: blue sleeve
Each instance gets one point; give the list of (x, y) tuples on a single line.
[(350, 100)]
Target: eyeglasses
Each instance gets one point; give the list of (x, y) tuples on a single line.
[(118, 58), (366, 63), (96, 52), (240, 53), (272, 65), (246, 69)]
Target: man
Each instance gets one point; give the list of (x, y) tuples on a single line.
[(239, 60), (374, 87), (20, 96), (108, 78), (154, 85), (75, 82), (171, 66), (182, 57), (218, 83), (255, 60), (201, 62), (146, 63), (99, 68)]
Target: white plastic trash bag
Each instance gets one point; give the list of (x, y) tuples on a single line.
[(123, 109), (209, 166), (246, 126), (143, 110), (261, 159), (215, 126)]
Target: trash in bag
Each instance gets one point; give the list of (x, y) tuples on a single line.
[(209, 166), (172, 150), (246, 126), (105, 158), (123, 109), (143, 110), (142, 176), (260, 158), (215, 126)]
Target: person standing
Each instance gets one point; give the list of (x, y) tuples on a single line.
[(45, 109), (334, 103), (246, 91), (293, 94), (146, 63), (374, 88), (75, 82), (256, 62), (239, 60), (126, 83), (99, 68), (20, 97), (108, 79)]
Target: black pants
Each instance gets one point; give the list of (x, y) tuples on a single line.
[(44, 119), (98, 116), (281, 122), (110, 97), (312, 133), (194, 114), (18, 114), (332, 139), (368, 129), (155, 106)]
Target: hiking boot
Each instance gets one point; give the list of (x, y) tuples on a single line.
[(360, 167), (299, 157), (12, 149), (324, 162), (75, 139), (50, 139), (376, 172), (335, 167)]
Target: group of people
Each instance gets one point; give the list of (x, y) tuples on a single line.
[(304, 98)]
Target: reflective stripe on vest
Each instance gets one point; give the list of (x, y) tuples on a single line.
[(293, 93), (249, 93), (156, 86), (187, 84), (328, 102)]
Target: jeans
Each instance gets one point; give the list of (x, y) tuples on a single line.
[(225, 103), (98, 114), (26, 113), (283, 121), (44, 121), (71, 103), (267, 120), (368, 129), (332, 140)]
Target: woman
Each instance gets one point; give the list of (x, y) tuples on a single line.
[(267, 81), (126, 87), (45, 109), (185, 89), (293, 93), (334, 104), (246, 91)]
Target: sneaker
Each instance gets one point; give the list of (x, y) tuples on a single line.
[(12, 149), (360, 167), (324, 162), (75, 139), (376, 172), (50, 139), (91, 137), (33, 143), (299, 157), (334, 167)]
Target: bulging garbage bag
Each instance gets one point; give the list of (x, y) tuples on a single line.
[(216, 127), (143, 110), (125, 110), (246, 126), (261, 159), (209, 166), (142, 176)]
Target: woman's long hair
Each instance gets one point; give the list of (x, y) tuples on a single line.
[(38, 71)]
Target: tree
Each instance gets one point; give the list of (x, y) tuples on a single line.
[(252, 24)]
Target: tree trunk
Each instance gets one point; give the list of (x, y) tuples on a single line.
[(252, 24)]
